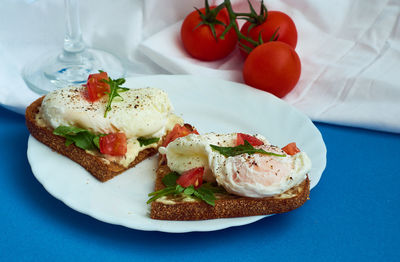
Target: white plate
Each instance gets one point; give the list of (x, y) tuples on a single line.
[(210, 105)]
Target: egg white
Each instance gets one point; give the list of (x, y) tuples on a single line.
[(142, 112), (194, 151)]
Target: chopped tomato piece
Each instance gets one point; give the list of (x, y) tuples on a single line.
[(113, 144), (191, 177), (291, 149), (178, 131), (254, 141), (96, 88)]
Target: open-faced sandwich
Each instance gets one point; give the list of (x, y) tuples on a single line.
[(227, 175), (102, 126)]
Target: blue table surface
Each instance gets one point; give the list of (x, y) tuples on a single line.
[(353, 213)]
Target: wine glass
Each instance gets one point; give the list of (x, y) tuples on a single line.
[(73, 65)]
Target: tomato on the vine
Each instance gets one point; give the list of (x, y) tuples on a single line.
[(199, 40), (277, 23), (273, 67)]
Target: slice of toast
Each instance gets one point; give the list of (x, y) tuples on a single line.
[(226, 205), (96, 165)]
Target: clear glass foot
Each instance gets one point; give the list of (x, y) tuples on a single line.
[(57, 70)]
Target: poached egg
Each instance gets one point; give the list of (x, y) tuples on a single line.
[(250, 175), (143, 112)]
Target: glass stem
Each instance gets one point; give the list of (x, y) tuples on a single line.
[(73, 42)]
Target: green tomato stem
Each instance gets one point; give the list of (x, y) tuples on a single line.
[(232, 23)]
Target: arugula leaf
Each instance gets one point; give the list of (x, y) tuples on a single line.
[(82, 138), (115, 87), (179, 189), (214, 189), (205, 195), (189, 190), (147, 141), (242, 149), (68, 142), (204, 192), (170, 179), (96, 140), (67, 130), (160, 193)]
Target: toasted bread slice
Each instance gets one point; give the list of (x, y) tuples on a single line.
[(226, 205), (96, 165)]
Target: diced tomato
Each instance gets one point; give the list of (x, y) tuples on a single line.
[(96, 88), (291, 149), (113, 144), (191, 177), (254, 141), (178, 131)]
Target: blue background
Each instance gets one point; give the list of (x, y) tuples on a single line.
[(353, 213)]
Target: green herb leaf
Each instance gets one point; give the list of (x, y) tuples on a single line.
[(170, 179), (179, 189), (189, 190), (242, 149), (205, 195), (160, 193), (205, 192), (82, 138), (68, 142), (147, 141), (96, 140), (115, 87), (68, 130), (214, 188)]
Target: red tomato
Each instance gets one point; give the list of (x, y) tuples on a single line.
[(113, 144), (178, 131), (287, 32), (191, 177), (199, 41), (96, 88), (273, 67), (291, 149), (254, 141)]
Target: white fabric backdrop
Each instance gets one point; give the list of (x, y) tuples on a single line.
[(350, 50)]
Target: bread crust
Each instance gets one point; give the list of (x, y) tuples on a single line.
[(95, 165), (226, 205)]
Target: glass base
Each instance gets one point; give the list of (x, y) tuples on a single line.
[(57, 70)]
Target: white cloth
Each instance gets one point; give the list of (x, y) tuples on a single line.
[(349, 49)]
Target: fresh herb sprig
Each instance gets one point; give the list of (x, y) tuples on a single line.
[(205, 192), (242, 149), (170, 190), (115, 88), (82, 138), (170, 179), (143, 141)]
